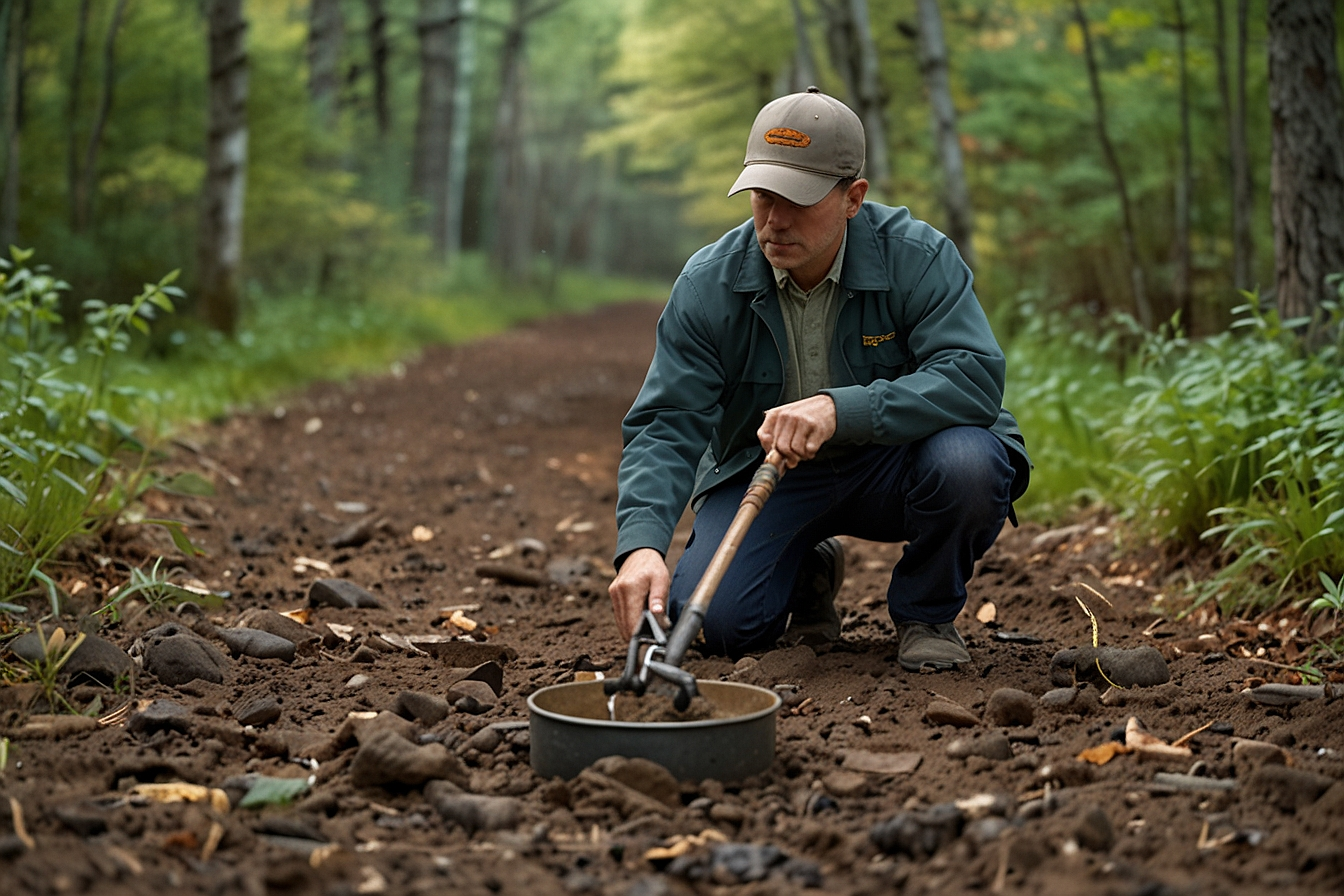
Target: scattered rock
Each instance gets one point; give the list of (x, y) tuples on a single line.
[(1095, 831), (1123, 667), (473, 812), (1009, 707), (1170, 782), (881, 763), (945, 712), (258, 712), (339, 593), (507, 574), (1080, 700), (473, 697), (568, 571), (464, 654), (161, 715), (845, 784), (96, 659), (918, 834), (176, 655), (993, 746), (649, 778), (355, 535), (1274, 694), (487, 740), (384, 757), (1287, 788), (1248, 755), (279, 624), (490, 672), (84, 819), (427, 709), (257, 644), (356, 682)]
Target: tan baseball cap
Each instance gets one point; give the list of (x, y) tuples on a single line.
[(800, 146)]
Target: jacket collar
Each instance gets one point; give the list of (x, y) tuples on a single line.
[(863, 269)]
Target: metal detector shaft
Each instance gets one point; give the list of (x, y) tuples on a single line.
[(693, 615)]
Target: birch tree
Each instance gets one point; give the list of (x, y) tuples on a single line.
[(220, 236), (934, 67)]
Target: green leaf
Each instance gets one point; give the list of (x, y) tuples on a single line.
[(187, 483), (273, 791), (14, 492), (178, 531)]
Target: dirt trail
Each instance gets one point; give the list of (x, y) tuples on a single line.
[(481, 480)]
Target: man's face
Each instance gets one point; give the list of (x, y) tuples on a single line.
[(803, 240)]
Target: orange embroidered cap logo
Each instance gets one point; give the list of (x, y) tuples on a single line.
[(787, 137)]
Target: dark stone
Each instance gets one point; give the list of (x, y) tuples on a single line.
[(339, 593), (1123, 667), (428, 709), (385, 757), (744, 862), (85, 820), (161, 715), (918, 834), (1095, 831), (1010, 707), (176, 655), (96, 659), (1287, 788), (473, 812), (257, 643), (257, 713), (279, 624)]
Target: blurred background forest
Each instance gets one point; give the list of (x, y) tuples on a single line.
[(339, 181), (384, 137)]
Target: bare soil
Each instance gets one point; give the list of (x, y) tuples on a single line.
[(504, 452)]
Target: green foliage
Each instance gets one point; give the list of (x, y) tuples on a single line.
[(46, 670), (1246, 429), (266, 791), (158, 590), (1332, 599), (56, 425)]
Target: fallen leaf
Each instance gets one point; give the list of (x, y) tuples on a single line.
[(179, 792), (344, 632), (461, 620), (1104, 753), (304, 564), (301, 615), (987, 613)]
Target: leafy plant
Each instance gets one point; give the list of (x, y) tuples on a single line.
[(157, 589), (56, 652), (1332, 599), (57, 425)]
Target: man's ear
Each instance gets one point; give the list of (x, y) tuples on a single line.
[(854, 197)]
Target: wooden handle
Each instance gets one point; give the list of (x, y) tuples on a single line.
[(761, 487)]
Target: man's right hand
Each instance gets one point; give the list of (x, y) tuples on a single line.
[(642, 582)]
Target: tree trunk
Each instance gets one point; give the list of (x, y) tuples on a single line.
[(849, 38), (88, 177), (1180, 281), (72, 114), (511, 247), (1307, 157), (1142, 308), (933, 65), (378, 53), (220, 240), (433, 124), (325, 31), (459, 142), (1239, 173), (16, 39)]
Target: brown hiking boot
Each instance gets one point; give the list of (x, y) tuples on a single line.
[(814, 620)]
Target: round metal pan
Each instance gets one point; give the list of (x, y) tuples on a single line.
[(570, 730)]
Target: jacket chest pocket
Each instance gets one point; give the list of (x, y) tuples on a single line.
[(877, 356)]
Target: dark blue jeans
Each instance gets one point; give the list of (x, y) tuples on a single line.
[(946, 495)]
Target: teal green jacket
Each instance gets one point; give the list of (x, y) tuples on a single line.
[(913, 355)]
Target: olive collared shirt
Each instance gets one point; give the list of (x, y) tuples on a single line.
[(809, 321)]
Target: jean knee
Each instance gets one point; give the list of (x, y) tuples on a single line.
[(971, 469), (729, 634)]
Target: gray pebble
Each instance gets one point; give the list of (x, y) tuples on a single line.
[(161, 715), (427, 709), (356, 682), (257, 643), (944, 712), (1010, 707), (258, 713), (339, 593), (1287, 788), (993, 746), (1123, 667), (918, 834), (96, 658), (385, 757), (1095, 831), (486, 740), (176, 655), (473, 812)]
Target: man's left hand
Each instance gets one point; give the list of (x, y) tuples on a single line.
[(798, 430)]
